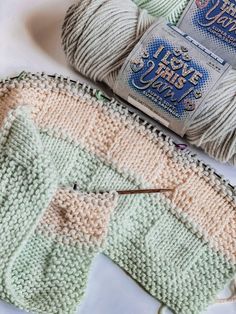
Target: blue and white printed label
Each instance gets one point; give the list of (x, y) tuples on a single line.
[(169, 75), (213, 24)]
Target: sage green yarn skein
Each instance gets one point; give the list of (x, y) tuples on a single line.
[(171, 9), (97, 37)]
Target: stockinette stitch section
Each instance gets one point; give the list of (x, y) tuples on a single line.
[(181, 245)]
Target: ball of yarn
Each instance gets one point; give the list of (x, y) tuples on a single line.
[(97, 37)]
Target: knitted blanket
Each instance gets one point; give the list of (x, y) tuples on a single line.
[(179, 245)]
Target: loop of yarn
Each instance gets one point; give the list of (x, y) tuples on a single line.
[(161, 309), (97, 37), (232, 297)]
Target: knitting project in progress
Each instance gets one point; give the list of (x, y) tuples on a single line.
[(180, 245)]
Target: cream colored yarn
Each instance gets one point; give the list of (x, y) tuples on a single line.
[(98, 35)]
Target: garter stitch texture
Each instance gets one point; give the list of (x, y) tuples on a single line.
[(27, 186), (181, 245), (98, 36), (65, 241), (47, 241)]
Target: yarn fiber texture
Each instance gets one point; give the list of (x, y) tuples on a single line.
[(180, 246), (98, 36), (171, 10)]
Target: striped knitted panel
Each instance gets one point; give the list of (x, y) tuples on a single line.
[(181, 245)]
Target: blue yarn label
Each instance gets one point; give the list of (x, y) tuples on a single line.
[(213, 24), (169, 76)]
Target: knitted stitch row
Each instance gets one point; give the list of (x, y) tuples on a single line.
[(181, 245)]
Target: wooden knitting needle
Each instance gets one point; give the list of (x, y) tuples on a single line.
[(145, 191), (128, 192)]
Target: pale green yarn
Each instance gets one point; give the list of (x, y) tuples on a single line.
[(50, 273), (162, 309), (28, 182), (51, 277), (168, 261), (38, 273), (171, 9)]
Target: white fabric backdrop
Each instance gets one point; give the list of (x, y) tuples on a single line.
[(30, 40)]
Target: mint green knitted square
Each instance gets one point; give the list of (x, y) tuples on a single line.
[(51, 277)]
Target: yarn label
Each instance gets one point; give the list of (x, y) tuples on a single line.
[(168, 76), (213, 24)]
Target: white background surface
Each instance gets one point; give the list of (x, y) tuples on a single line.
[(30, 40)]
